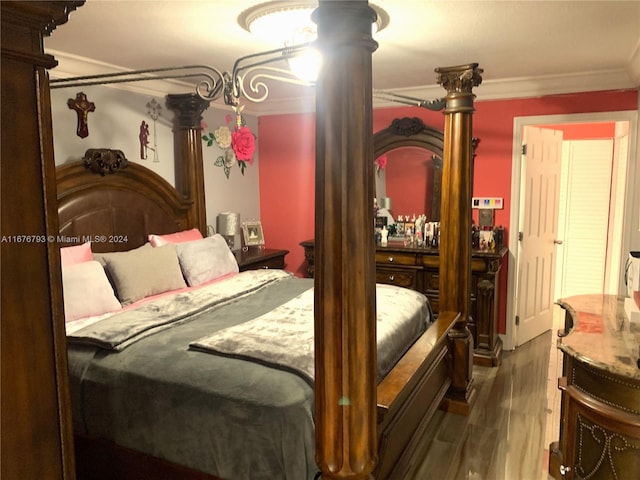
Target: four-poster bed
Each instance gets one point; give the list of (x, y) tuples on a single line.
[(103, 197), (361, 428)]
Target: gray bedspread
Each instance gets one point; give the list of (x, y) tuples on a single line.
[(233, 418), (401, 315)]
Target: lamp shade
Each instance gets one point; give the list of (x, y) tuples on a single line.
[(227, 223), (385, 202)]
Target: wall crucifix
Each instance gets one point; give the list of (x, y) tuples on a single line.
[(82, 106)]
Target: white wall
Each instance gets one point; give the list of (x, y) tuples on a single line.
[(238, 193), (115, 123)]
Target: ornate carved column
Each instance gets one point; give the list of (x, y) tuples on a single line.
[(345, 339), (487, 343), (37, 436), (455, 248), (190, 174)]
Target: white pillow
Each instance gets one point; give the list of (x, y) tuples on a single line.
[(206, 259), (87, 291)]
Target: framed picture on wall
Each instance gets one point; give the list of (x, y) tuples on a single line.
[(252, 233), (381, 222)]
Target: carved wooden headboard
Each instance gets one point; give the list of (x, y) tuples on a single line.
[(115, 203)]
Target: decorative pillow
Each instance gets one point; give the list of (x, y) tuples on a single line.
[(86, 291), (102, 257), (206, 259), (178, 237), (75, 254), (144, 271)]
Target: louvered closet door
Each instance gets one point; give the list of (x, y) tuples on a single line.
[(584, 216)]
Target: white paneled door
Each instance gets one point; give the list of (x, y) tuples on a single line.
[(540, 186), (584, 217)]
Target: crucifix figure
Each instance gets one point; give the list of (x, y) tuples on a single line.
[(82, 106)]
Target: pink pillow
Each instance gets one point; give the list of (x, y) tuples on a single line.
[(76, 254), (178, 237)]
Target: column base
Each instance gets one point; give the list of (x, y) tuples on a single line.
[(461, 395), (460, 404), (488, 358)]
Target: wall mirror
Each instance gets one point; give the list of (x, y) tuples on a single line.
[(412, 176)]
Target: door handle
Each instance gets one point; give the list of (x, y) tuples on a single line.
[(558, 242)]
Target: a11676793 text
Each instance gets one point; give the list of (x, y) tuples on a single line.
[(64, 239)]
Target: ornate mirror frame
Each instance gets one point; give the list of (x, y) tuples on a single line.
[(412, 132)]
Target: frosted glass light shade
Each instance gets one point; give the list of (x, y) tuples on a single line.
[(227, 223), (281, 21)]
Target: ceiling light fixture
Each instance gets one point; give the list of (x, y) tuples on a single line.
[(283, 21), (288, 23)]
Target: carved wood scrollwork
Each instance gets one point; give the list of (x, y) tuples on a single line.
[(474, 145), (493, 266), (104, 160), (407, 126)]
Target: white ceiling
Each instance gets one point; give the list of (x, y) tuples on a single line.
[(526, 48)]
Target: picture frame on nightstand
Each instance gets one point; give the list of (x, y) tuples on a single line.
[(252, 233)]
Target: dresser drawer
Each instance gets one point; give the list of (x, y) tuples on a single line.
[(395, 258), (276, 262), (401, 278), (255, 259), (431, 281)]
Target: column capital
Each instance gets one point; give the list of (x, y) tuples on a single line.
[(189, 107), (459, 81)]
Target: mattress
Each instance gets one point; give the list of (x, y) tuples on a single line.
[(232, 416)]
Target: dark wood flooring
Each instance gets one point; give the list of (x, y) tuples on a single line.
[(507, 435)]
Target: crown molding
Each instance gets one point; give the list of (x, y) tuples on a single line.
[(634, 65), (503, 89), (528, 87)]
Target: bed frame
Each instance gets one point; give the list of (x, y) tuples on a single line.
[(105, 197), (363, 430)]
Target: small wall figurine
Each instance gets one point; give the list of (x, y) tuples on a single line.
[(144, 139)]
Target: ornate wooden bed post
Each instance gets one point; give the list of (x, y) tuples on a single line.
[(345, 345), (455, 248), (37, 438), (190, 182)]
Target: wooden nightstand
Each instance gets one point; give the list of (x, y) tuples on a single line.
[(255, 258)]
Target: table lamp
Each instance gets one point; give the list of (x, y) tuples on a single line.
[(227, 225)]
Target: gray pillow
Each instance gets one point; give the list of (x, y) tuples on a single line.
[(206, 259), (102, 257), (144, 271)]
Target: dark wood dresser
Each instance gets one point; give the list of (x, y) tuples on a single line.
[(256, 258), (600, 384), (417, 268)]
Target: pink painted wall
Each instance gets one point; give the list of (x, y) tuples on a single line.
[(409, 181), (287, 185), (287, 162), (577, 131)]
